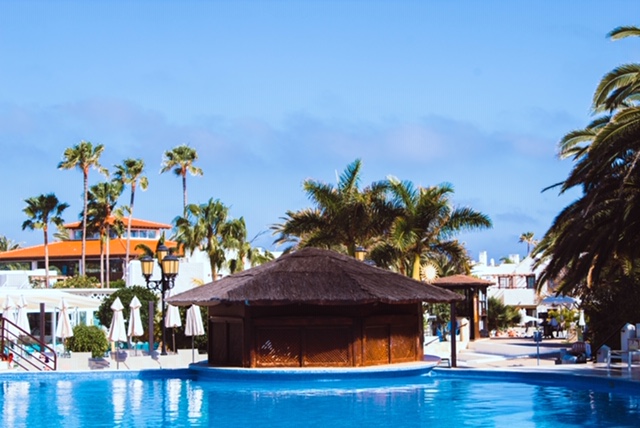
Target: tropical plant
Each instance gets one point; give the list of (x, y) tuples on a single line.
[(83, 156), (103, 198), (7, 244), (88, 338), (180, 160), (527, 238), (41, 211), (207, 227), (244, 253), (598, 232), (131, 173), (501, 316), (344, 217), (425, 228)]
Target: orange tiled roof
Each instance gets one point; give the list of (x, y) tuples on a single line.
[(135, 224), (73, 249)]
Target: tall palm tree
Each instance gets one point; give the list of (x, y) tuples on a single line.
[(598, 232), (180, 159), (103, 198), (41, 211), (527, 237), (344, 217), (426, 227), (244, 251), (131, 173), (207, 227), (83, 156)]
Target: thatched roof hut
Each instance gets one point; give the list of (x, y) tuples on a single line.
[(475, 306), (314, 308)]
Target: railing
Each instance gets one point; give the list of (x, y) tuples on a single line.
[(24, 350)]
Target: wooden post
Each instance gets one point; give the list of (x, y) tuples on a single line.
[(454, 325), (43, 314)]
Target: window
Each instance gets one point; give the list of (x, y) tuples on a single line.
[(504, 282), (531, 282)]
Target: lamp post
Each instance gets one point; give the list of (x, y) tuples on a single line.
[(360, 253), (169, 265)]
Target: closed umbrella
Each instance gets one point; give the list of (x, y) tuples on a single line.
[(172, 320), (63, 329), (193, 327), (117, 331), (23, 319), (135, 323), (8, 313)]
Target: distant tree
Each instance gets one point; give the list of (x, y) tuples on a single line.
[(501, 316), (344, 217), (244, 252), (7, 244), (42, 210), (84, 157), (207, 227), (180, 160), (527, 238), (103, 198), (131, 173)]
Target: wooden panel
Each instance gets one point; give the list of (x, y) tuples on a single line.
[(327, 347), (235, 334), (278, 347), (218, 343), (376, 345), (403, 344)]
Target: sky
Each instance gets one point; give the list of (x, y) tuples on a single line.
[(270, 93)]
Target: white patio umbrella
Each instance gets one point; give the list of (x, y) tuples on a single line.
[(63, 329), (135, 322), (193, 327), (559, 301), (8, 313), (172, 320), (22, 318), (117, 331), (581, 321)]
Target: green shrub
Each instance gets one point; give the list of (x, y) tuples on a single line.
[(118, 283), (78, 281), (88, 339)]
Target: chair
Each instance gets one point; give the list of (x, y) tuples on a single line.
[(579, 353)]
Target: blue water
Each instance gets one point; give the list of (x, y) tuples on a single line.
[(181, 400)]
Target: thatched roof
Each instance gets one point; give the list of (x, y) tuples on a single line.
[(314, 276), (461, 281)]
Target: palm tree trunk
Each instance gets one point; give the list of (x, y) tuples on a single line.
[(84, 224), (184, 194), (415, 273), (101, 262), (46, 257), (108, 274), (126, 257)]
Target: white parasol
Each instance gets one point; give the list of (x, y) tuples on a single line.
[(135, 323), (22, 318), (8, 313), (117, 331), (559, 301), (63, 329), (172, 320), (193, 327)]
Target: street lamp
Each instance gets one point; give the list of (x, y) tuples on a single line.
[(360, 253), (169, 265)]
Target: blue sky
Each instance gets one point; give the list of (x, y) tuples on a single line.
[(270, 93)]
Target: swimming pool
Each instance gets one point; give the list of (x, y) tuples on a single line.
[(179, 398)]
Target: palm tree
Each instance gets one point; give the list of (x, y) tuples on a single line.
[(42, 210), (207, 227), (425, 229), (84, 157), (344, 217), (527, 237), (7, 244), (596, 234), (180, 159), (103, 198), (131, 173), (244, 251)]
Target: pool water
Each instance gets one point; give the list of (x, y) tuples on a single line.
[(179, 399)]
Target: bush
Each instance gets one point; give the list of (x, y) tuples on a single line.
[(88, 339), (118, 283), (105, 313), (78, 281)]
